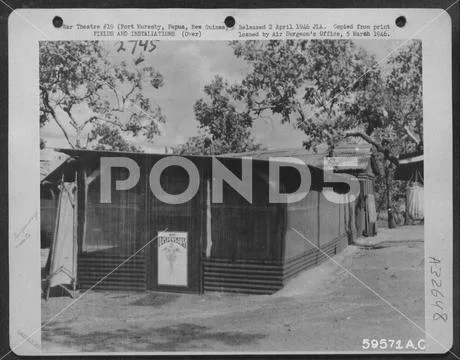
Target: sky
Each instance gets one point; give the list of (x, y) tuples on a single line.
[(187, 67)]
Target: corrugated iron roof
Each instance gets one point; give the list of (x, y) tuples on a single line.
[(50, 160), (362, 152), (410, 167)]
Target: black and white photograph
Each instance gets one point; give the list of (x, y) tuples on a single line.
[(235, 195), (233, 274)]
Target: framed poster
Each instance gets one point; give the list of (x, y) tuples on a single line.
[(172, 258)]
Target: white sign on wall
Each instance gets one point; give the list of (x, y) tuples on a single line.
[(172, 258)]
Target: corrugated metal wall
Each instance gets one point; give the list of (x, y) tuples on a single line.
[(243, 230), (255, 247), (303, 217), (322, 225), (133, 218), (96, 270), (323, 233)]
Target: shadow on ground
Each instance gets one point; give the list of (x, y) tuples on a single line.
[(179, 337), (322, 309), (155, 299), (386, 244)]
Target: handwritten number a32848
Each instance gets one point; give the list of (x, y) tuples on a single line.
[(436, 285)]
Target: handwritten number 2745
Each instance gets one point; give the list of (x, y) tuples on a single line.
[(143, 45)]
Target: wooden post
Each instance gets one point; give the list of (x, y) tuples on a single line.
[(208, 220), (75, 234), (319, 227), (391, 222)]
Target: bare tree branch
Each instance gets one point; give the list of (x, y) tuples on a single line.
[(69, 114), (377, 145), (94, 118), (51, 111), (136, 84)]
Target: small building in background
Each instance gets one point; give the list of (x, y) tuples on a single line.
[(410, 168)]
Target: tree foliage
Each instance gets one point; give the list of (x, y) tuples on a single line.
[(401, 130), (78, 77), (196, 145), (110, 138), (333, 89), (308, 83), (224, 123), (404, 100)]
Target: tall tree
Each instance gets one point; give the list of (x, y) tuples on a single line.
[(404, 100), (334, 90), (402, 130), (224, 123), (78, 77), (306, 82)]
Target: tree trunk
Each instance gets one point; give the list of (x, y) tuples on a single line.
[(78, 136), (391, 221)]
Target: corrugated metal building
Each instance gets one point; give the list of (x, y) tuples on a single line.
[(200, 245)]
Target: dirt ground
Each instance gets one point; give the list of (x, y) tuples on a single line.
[(322, 309)]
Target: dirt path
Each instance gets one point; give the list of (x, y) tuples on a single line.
[(322, 309)]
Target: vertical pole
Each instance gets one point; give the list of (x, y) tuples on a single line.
[(75, 233), (208, 220), (391, 222), (83, 195), (319, 227)]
